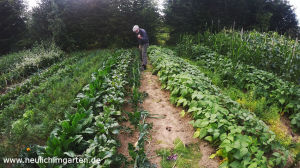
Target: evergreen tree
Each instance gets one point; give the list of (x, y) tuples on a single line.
[(77, 24), (194, 16), (12, 23)]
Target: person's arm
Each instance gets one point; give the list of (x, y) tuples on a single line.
[(140, 37)]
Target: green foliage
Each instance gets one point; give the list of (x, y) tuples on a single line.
[(35, 80), (7, 61), (48, 102), (266, 91), (91, 131), (93, 24), (190, 16), (260, 107), (137, 151), (30, 61), (188, 156), (242, 138), (12, 24), (296, 120), (163, 34), (267, 51), (135, 118), (30, 151), (138, 119), (136, 97)]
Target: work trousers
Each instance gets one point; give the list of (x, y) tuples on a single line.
[(143, 53)]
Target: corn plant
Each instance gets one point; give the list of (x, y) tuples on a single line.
[(267, 51)]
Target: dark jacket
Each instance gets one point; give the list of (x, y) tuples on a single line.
[(144, 35)]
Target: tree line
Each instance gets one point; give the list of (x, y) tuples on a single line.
[(77, 24), (193, 16), (85, 24)]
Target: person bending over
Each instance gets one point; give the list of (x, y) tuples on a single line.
[(143, 44)]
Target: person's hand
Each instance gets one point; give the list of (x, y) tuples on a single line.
[(139, 36), (140, 47)]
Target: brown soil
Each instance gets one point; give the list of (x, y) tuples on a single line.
[(170, 125), (286, 125)]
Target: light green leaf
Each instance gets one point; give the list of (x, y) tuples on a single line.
[(209, 138), (282, 100), (196, 134), (70, 154), (253, 165), (243, 152), (216, 135), (212, 156), (182, 113), (223, 136), (203, 133)]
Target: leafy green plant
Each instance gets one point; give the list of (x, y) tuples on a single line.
[(134, 117), (182, 156), (242, 138), (296, 120), (137, 151), (265, 89)]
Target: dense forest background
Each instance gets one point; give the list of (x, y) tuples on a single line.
[(87, 24)]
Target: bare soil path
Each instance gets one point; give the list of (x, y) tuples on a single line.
[(170, 125)]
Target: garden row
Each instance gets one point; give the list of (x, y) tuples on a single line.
[(267, 51), (90, 130), (26, 63), (34, 81), (241, 138), (137, 118), (33, 115), (277, 94)]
